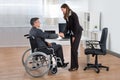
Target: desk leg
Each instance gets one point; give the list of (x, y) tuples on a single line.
[(79, 51), (88, 59)]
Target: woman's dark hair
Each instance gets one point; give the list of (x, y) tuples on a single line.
[(33, 20), (67, 10)]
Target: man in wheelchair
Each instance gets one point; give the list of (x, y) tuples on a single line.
[(40, 38)]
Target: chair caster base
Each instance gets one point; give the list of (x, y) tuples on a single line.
[(96, 66)]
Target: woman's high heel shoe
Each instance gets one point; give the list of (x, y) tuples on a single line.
[(73, 69)]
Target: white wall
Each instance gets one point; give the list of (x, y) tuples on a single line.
[(13, 36), (14, 20), (110, 18), (15, 13), (80, 7)]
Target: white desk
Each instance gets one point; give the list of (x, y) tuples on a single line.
[(95, 34), (64, 42), (59, 41)]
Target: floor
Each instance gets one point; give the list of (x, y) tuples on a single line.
[(11, 67)]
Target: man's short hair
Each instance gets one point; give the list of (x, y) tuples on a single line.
[(33, 20)]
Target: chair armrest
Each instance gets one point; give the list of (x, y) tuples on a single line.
[(89, 44), (93, 42)]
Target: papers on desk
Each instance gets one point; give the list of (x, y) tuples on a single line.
[(59, 38), (62, 39)]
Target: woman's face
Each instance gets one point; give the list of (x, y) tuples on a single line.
[(63, 10)]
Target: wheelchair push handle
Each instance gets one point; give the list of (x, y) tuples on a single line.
[(29, 37), (26, 35)]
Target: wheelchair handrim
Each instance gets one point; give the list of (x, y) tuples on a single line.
[(24, 56), (37, 53)]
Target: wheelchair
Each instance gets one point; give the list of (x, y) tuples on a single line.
[(39, 61)]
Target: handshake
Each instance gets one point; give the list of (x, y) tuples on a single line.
[(61, 35)]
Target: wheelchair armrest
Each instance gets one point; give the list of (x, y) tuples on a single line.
[(51, 49)]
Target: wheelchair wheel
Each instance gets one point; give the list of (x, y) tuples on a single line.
[(25, 55), (37, 64)]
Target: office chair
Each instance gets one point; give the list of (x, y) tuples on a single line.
[(96, 52)]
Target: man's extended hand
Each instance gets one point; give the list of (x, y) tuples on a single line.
[(49, 44)]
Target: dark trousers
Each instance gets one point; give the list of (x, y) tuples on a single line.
[(58, 51), (74, 50)]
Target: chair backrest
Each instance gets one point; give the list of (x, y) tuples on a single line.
[(33, 42), (103, 39)]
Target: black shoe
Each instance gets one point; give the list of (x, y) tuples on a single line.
[(65, 65), (62, 65), (73, 69), (59, 64)]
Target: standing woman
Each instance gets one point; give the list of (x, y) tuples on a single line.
[(75, 30)]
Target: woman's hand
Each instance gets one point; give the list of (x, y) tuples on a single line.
[(73, 39), (61, 35)]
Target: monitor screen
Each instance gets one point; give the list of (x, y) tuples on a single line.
[(62, 27), (50, 31)]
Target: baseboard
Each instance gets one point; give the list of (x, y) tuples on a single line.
[(3, 46), (114, 53)]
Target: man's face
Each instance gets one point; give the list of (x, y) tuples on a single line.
[(37, 23)]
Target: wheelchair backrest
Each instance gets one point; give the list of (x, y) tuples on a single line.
[(33, 42)]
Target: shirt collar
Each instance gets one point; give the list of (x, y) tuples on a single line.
[(70, 13)]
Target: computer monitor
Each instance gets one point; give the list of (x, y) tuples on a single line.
[(62, 27), (50, 31)]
